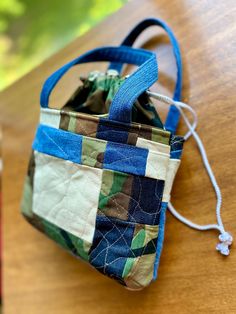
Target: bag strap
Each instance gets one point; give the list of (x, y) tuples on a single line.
[(173, 115), (138, 82)]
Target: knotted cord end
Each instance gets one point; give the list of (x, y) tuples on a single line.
[(226, 240)]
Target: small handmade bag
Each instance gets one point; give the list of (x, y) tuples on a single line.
[(102, 167)]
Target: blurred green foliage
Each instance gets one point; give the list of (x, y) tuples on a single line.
[(32, 30)]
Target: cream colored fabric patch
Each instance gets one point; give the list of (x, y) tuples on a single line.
[(157, 164), (67, 194), (154, 146), (50, 117), (171, 172)]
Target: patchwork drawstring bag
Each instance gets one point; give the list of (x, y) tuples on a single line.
[(102, 167)]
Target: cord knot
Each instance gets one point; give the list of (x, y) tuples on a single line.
[(226, 240)]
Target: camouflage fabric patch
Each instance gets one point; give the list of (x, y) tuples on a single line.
[(97, 92), (93, 152), (95, 96), (81, 123), (26, 203), (68, 241), (94, 126), (140, 272), (144, 237), (115, 194)]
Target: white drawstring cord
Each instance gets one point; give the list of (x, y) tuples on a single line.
[(225, 238)]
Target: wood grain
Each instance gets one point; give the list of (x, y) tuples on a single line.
[(39, 277)]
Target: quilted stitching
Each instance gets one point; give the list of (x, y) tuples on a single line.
[(117, 156), (97, 189), (62, 195)]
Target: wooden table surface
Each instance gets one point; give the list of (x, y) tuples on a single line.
[(39, 277)]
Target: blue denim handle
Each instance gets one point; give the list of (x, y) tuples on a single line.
[(173, 115), (133, 86)]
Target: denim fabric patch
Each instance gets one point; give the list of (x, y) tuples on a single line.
[(111, 245), (130, 159), (57, 143), (145, 200), (112, 131)]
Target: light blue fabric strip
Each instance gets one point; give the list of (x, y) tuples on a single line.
[(160, 239), (58, 143)]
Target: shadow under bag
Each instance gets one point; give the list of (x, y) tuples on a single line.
[(102, 167)]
